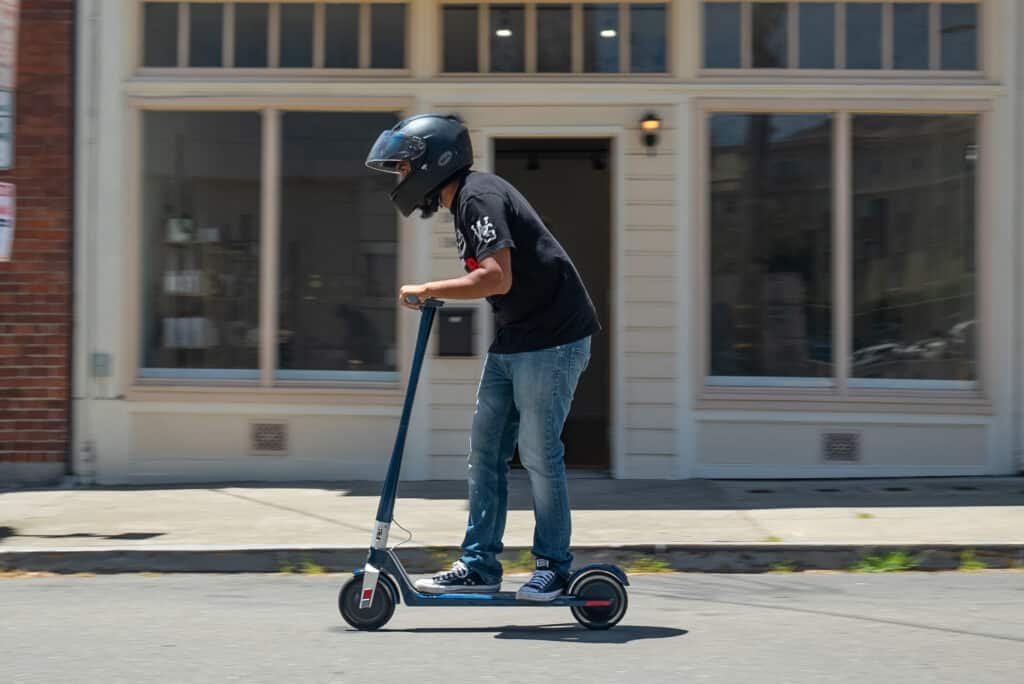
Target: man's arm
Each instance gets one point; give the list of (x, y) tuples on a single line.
[(493, 277)]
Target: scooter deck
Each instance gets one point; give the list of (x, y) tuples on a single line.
[(501, 598)]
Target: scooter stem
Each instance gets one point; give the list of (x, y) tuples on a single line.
[(388, 494)]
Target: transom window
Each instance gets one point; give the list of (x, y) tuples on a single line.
[(571, 37), (261, 35), (896, 35)]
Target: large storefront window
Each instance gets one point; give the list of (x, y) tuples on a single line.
[(201, 243), (914, 280), (909, 305), (771, 207), (338, 246)]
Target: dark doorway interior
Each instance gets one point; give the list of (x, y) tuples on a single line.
[(568, 181)]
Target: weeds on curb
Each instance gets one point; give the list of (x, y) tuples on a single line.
[(442, 559), (647, 564), (773, 539), (311, 568), (523, 562), (865, 516), (969, 562), (784, 566), (895, 561)]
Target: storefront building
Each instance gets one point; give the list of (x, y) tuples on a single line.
[(800, 222)]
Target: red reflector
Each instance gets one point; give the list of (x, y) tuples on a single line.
[(367, 594), (597, 604)]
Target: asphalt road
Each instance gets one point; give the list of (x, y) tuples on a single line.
[(813, 628)]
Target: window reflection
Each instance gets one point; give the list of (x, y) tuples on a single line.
[(508, 38), (338, 246), (960, 36), (461, 39), (601, 38), (554, 39), (770, 39), (914, 247), (647, 38), (201, 201), (206, 34), (722, 35), (817, 35), (863, 35), (771, 205)]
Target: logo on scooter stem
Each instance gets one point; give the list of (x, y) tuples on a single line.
[(380, 535)]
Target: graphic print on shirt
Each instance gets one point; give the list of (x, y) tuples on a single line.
[(484, 231), (469, 262)]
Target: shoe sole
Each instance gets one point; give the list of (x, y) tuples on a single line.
[(539, 598), (436, 589)]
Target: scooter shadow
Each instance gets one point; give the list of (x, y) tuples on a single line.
[(568, 633)]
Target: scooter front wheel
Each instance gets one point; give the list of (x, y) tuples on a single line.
[(607, 599), (381, 608)]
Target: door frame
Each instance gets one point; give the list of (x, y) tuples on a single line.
[(616, 135)]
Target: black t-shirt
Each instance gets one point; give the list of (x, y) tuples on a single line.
[(547, 304)]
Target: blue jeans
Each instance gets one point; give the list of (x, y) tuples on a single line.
[(523, 399)]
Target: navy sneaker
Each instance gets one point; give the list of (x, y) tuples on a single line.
[(459, 580), (544, 585)]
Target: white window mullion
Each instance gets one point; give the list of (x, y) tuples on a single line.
[(746, 36), (888, 39), (319, 29), (274, 36), (228, 36), (270, 202), (184, 31), (530, 44), (934, 37), (793, 31), (483, 41), (842, 254), (624, 39), (365, 26), (577, 38), (840, 35)]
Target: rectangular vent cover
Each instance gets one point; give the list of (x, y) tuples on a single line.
[(841, 447), (268, 438)]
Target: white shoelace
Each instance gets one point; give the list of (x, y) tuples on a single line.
[(458, 571), (540, 578)]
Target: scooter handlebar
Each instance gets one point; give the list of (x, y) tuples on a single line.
[(413, 300)]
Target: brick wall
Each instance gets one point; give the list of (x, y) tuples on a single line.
[(35, 286)]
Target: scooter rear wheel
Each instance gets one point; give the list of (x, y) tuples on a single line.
[(381, 608), (610, 596)]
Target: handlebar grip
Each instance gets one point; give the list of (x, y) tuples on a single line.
[(413, 300)]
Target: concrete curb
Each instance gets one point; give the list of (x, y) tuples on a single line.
[(750, 558)]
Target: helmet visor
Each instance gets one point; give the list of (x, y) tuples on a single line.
[(393, 147)]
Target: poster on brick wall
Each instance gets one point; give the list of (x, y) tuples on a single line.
[(8, 43), (6, 220)]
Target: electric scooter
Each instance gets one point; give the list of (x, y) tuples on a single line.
[(595, 594)]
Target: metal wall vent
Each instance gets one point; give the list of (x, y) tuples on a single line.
[(268, 438), (841, 447)]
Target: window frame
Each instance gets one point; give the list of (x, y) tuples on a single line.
[(886, 71), (268, 379), (577, 32), (272, 70), (841, 390)]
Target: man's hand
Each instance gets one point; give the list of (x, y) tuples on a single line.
[(418, 291)]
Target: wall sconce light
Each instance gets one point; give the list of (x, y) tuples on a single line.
[(650, 125)]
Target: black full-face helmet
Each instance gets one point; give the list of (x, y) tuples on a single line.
[(437, 148)]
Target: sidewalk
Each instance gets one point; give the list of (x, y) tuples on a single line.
[(687, 525)]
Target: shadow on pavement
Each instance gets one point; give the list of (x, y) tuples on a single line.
[(570, 633), (124, 536)]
